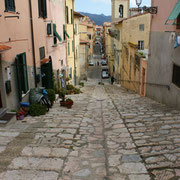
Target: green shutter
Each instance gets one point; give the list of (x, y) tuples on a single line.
[(70, 75), (67, 14), (42, 52), (44, 9), (68, 49), (39, 7), (18, 75), (49, 30), (71, 16), (55, 33), (72, 46), (25, 73), (64, 32)]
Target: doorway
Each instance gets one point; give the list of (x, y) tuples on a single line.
[(0, 100)]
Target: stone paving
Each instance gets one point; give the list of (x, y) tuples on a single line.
[(109, 134)]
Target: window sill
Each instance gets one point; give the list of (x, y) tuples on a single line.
[(11, 12), (55, 45)]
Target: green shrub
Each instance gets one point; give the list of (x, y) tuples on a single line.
[(81, 84), (37, 110), (70, 87), (51, 95)]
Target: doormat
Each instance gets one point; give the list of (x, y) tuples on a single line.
[(6, 118)]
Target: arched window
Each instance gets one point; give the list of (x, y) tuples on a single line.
[(121, 9)]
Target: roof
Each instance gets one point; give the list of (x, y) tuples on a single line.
[(123, 19), (78, 14), (4, 48)]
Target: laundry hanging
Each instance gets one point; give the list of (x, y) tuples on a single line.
[(177, 42)]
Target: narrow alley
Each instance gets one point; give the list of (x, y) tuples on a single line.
[(109, 134)]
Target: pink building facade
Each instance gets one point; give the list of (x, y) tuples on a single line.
[(163, 71), (34, 45)]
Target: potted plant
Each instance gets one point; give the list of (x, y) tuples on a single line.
[(51, 96), (69, 103), (62, 94)]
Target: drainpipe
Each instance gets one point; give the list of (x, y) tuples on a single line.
[(32, 39)]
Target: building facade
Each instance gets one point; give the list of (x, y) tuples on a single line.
[(69, 28), (163, 71), (32, 35)]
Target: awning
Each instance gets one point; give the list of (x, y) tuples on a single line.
[(55, 33), (174, 14), (44, 61), (4, 48)]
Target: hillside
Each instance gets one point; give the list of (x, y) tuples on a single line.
[(99, 19)]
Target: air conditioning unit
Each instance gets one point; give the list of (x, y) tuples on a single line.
[(49, 29)]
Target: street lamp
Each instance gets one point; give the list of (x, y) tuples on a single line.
[(138, 3), (152, 10)]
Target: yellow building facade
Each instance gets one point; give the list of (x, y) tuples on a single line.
[(77, 17), (71, 72), (108, 46)]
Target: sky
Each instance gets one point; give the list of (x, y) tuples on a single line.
[(101, 6)]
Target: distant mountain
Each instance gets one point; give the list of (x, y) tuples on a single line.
[(99, 19)]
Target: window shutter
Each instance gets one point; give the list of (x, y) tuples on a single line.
[(39, 7), (67, 14), (49, 30), (25, 73), (64, 32), (44, 9), (71, 16), (18, 75), (70, 75), (68, 49), (72, 46)]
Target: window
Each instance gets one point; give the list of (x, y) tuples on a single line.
[(9, 5), (178, 22), (141, 27), (71, 16), (72, 46), (70, 75), (42, 8), (176, 75), (22, 76), (42, 52), (141, 45), (68, 49), (89, 35), (67, 14), (121, 11), (76, 28), (49, 29)]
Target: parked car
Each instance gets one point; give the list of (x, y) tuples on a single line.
[(91, 63), (105, 73)]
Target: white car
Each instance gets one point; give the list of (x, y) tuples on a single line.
[(105, 74), (91, 63)]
